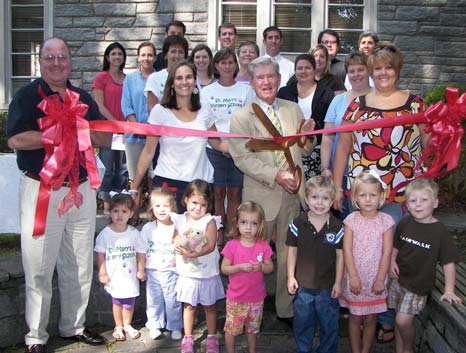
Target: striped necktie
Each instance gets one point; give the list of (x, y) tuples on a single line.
[(279, 155)]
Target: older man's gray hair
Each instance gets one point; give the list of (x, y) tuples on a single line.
[(262, 61)]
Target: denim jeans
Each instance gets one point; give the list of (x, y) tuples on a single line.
[(115, 171), (310, 305)]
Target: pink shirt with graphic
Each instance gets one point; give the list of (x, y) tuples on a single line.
[(246, 287)]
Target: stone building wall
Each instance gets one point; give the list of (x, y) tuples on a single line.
[(432, 37), (90, 26)]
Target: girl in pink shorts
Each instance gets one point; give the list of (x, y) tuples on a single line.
[(247, 257)]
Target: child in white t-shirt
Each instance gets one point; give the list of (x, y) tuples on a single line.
[(120, 259), (163, 310)]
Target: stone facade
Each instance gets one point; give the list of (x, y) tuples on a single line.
[(431, 33), (90, 26)]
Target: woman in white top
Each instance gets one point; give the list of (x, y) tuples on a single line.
[(175, 48), (224, 97), (181, 159)]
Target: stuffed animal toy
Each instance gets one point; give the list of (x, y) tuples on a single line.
[(193, 240)]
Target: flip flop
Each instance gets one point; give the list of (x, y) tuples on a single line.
[(118, 334), (384, 331)]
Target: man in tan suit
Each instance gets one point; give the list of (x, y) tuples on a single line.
[(266, 179)]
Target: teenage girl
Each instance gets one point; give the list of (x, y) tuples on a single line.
[(163, 310), (120, 259), (246, 258), (198, 272), (367, 247)]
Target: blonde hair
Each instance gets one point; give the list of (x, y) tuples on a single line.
[(316, 48), (422, 184), (386, 52), (320, 182), (250, 207), (366, 178), (161, 192)]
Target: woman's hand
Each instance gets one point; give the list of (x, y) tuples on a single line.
[(338, 202), (309, 125)]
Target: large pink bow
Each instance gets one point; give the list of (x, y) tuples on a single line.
[(67, 144)]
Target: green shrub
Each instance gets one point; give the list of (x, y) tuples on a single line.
[(438, 93), (10, 244), (453, 185), (3, 142)]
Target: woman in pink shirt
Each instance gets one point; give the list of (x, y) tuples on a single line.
[(107, 89)]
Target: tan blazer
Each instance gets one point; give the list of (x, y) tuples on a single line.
[(260, 168)]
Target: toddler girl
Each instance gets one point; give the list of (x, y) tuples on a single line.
[(246, 258), (367, 247), (120, 259), (199, 280), (163, 310)]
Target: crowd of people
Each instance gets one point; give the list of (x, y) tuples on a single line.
[(339, 231)]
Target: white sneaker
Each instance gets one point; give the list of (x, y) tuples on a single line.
[(176, 335), (155, 333)]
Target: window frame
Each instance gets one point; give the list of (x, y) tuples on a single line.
[(6, 85), (266, 15)]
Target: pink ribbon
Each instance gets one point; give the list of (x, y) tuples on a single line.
[(67, 144)]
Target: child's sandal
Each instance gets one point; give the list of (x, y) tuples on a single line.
[(118, 333), (132, 332)]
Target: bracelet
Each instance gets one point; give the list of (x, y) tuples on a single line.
[(340, 189)]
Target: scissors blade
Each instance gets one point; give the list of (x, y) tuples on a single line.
[(265, 120), (263, 145), (289, 159)]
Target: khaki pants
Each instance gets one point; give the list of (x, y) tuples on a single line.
[(67, 244), (288, 211)]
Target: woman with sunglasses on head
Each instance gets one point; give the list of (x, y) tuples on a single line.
[(392, 152)]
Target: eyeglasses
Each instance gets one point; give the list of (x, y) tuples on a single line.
[(390, 48), (51, 58), (327, 42)]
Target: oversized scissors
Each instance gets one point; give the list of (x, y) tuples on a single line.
[(272, 145)]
